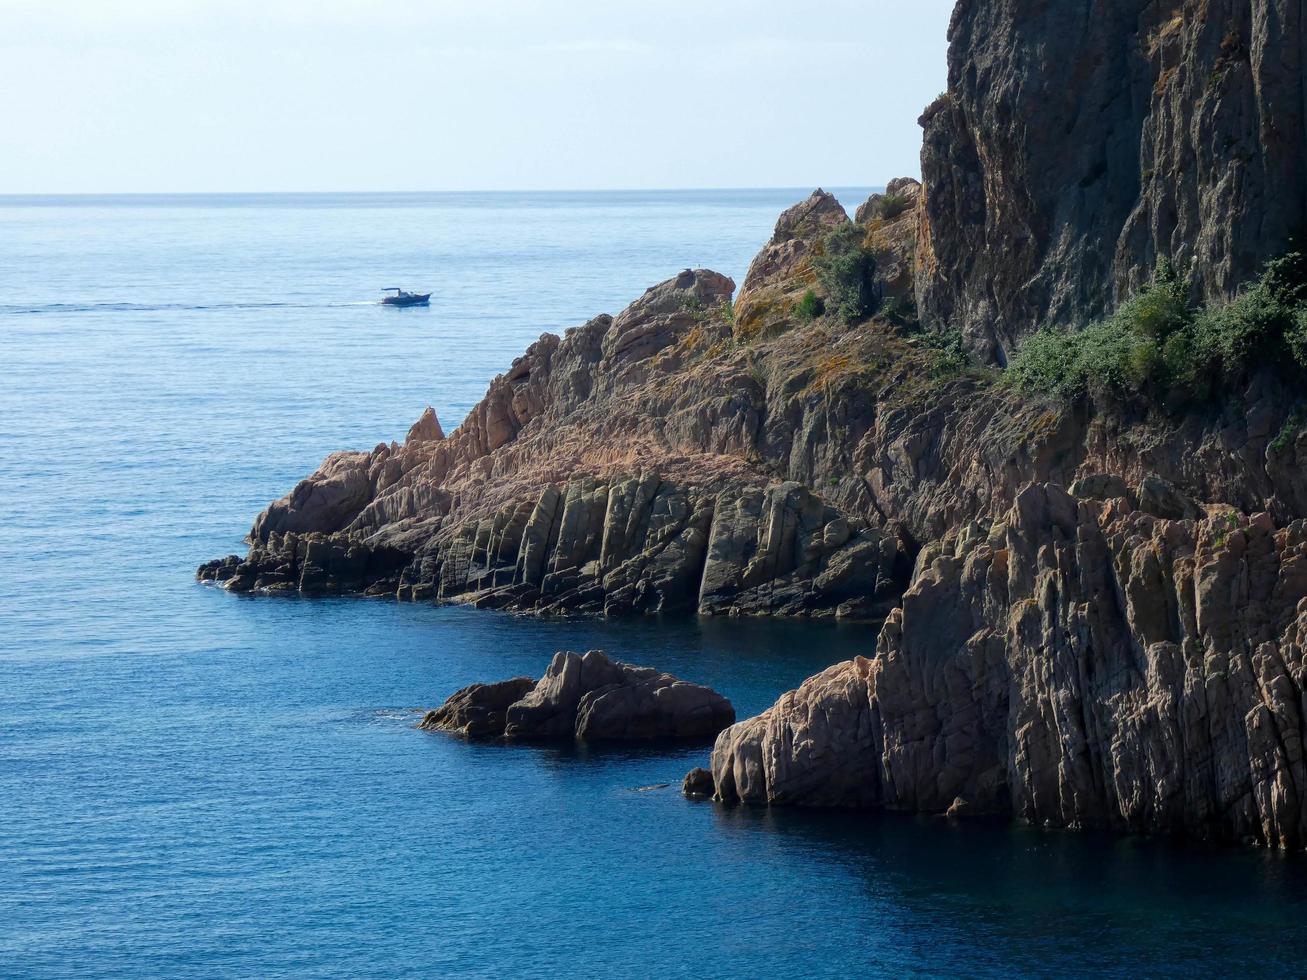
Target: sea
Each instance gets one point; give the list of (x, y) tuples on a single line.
[(199, 784)]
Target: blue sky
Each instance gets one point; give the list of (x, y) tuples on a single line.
[(318, 95)]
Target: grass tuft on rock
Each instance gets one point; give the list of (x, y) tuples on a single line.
[(809, 307)]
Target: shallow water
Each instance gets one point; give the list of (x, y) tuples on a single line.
[(202, 783)]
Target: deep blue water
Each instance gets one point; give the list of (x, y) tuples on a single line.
[(196, 783)]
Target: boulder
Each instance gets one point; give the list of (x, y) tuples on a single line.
[(698, 783), (1161, 498), (478, 709), (586, 697), (1100, 486)]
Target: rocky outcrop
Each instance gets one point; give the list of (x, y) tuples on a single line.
[(634, 544), (698, 784), (478, 710), (891, 221), (655, 462), (586, 697), (783, 271), (1078, 663), (1074, 148), (1125, 654), (426, 429)]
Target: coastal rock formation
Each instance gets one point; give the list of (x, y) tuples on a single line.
[(653, 462), (478, 709), (1075, 148), (635, 544), (587, 697), (1124, 653), (783, 271), (1078, 663)]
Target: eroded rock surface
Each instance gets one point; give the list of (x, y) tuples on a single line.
[(656, 461), (587, 697), (1078, 663), (1127, 653), (1077, 144)]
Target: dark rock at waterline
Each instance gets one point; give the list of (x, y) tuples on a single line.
[(698, 783), (1078, 663), (478, 709), (587, 697)]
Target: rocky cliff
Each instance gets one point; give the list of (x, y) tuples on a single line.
[(633, 465), (1078, 143), (1091, 606), (1076, 663), (691, 454)]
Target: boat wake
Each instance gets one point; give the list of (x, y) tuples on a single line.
[(66, 308)]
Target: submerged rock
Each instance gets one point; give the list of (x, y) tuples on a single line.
[(586, 697)]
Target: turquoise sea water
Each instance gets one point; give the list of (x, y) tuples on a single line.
[(198, 784)]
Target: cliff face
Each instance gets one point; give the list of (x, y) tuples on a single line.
[(1077, 663), (1079, 143)]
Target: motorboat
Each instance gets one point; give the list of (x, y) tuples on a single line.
[(402, 298)]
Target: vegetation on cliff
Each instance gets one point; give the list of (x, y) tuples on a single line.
[(844, 270), (1162, 349)]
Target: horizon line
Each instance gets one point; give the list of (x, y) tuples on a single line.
[(516, 190)]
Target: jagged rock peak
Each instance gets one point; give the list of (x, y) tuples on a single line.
[(900, 197), (813, 216), (426, 429), (783, 270)]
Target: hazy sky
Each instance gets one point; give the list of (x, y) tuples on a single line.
[(250, 95)]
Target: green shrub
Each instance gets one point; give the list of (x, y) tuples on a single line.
[(1158, 347), (845, 273), (809, 307), (900, 312), (948, 353), (1288, 432), (722, 311), (1222, 526), (892, 205)]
